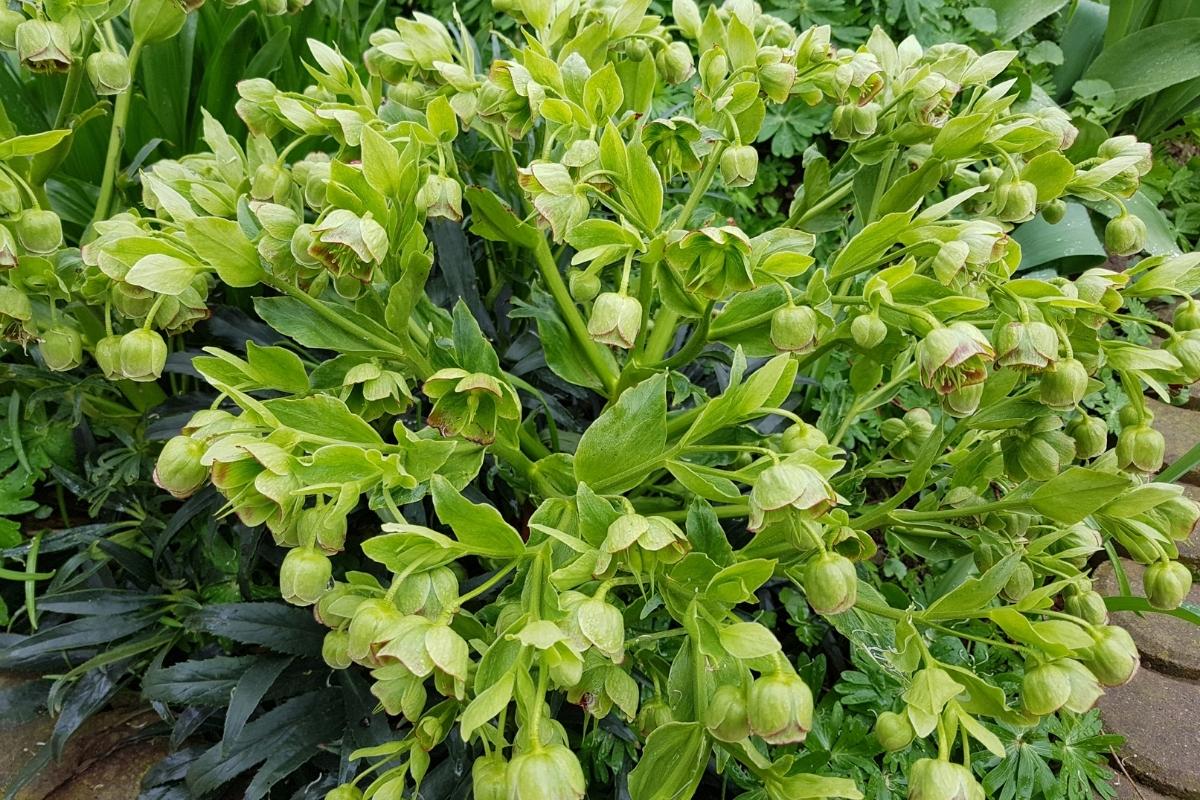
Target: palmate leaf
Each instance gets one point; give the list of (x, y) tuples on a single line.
[(284, 629)]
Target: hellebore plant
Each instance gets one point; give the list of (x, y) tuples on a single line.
[(619, 557)]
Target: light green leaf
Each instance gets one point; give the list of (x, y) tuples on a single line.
[(627, 441), (477, 525), (162, 274)]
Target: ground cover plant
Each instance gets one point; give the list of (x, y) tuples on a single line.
[(585, 475)]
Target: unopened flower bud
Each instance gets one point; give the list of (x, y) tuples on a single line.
[(1187, 315), (43, 46), (789, 486), (1125, 235), (868, 330), (548, 772), (780, 706), (369, 625), (794, 329), (304, 575), (1090, 435), (1054, 211), (653, 714), (830, 583), (489, 777), (344, 792), (675, 63), (1167, 584), (441, 196), (1113, 658), (1085, 689), (777, 80), (1064, 384), (1088, 606), (1180, 514), (178, 469), (108, 71), (802, 436), (725, 714), (1020, 583), (852, 122), (616, 320), (61, 348), (963, 401), (894, 731), (40, 231), (1140, 448), (584, 285), (1045, 688), (739, 165), (143, 355)]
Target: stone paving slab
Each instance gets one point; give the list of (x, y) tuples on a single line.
[(1181, 429), (104, 760), (1169, 644), (1158, 716), (1131, 790)]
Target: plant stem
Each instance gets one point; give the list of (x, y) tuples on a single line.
[(495, 578), (116, 140), (700, 187), (558, 289), (904, 515)]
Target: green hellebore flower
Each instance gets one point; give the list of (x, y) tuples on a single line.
[(108, 72), (616, 320), (894, 731), (1186, 348), (304, 575), (1063, 384), (726, 715), (344, 792), (602, 626), (441, 196), (61, 347), (852, 122), (1020, 583), (1167, 584), (1045, 688), (1090, 435), (789, 485), (794, 329), (1016, 201), (369, 626), (953, 356), (715, 261), (1140, 448), (143, 355), (963, 401), (470, 404), (1026, 346), (348, 244), (489, 777), (108, 356), (156, 20), (934, 779), (43, 46), (1088, 606), (868, 330), (1085, 689), (646, 541), (40, 231), (739, 165), (1125, 235), (949, 260), (548, 772), (1113, 658), (179, 469), (830, 583), (1180, 515), (335, 649), (780, 707)]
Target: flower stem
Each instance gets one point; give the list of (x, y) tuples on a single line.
[(116, 140)]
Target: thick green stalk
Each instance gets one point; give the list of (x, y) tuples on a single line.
[(558, 290), (116, 140)]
